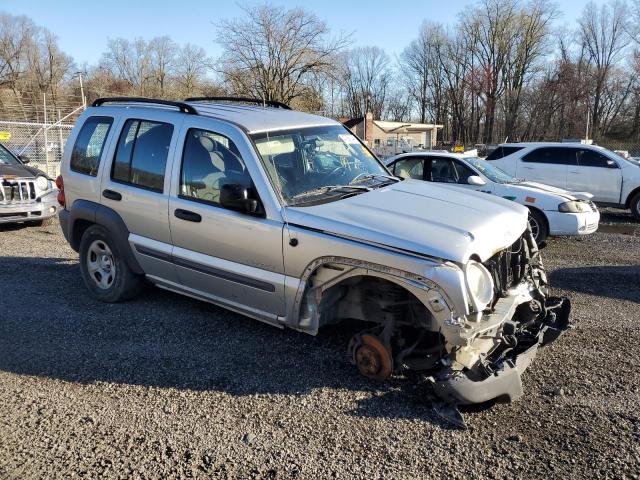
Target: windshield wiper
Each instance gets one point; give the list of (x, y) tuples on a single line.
[(329, 189), (370, 176)]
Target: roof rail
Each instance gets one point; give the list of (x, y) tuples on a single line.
[(183, 107), (257, 101)]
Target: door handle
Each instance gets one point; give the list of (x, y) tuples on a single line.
[(111, 195), (528, 168), (187, 215), (573, 171)]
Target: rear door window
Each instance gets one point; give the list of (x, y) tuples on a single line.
[(551, 155), (589, 158), (442, 170), (85, 157), (141, 155)]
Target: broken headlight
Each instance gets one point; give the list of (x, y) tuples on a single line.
[(480, 285), (574, 206)]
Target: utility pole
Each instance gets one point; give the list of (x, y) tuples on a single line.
[(46, 139), (84, 100), (586, 135)]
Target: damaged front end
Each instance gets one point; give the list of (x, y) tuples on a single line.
[(502, 344)]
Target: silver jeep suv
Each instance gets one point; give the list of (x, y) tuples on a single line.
[(288, 218)]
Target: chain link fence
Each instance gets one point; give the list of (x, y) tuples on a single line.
[(42, 144)]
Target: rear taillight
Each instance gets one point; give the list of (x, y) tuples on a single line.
[(60, 185)]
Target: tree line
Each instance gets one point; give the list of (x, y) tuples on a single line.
[(505, 70)]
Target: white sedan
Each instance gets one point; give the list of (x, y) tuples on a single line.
[(553, 211)]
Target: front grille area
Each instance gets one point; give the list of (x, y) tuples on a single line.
[(508, 267), (17, 190)]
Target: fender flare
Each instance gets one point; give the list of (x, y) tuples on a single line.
[(108, 218)]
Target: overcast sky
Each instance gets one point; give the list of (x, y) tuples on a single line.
[(84, 27)]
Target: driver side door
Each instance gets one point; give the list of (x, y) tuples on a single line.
[(451, 171), (233, 258)]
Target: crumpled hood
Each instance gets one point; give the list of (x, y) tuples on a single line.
[(554, 190), (420, 217), (21, 171)]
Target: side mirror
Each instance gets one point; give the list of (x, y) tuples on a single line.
[(24, 159), (611, 164), (476, 181), (236, 197)]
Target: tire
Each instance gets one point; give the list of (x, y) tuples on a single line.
[(634, 205), (103, 268), (538, 224)]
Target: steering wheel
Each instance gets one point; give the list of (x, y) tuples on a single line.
[(342, 169)]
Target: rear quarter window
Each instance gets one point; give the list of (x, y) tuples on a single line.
[(86, 153)]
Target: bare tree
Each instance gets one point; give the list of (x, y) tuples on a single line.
[(131, 62), (421, 64), (603, 34), (366, 78), (192, 66), (531, 29), (489, 26), (273, 53), (162, 53)]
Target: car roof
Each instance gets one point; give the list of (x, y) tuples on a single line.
[(434, 153), (550, 144), (251, 118), (257, 119)]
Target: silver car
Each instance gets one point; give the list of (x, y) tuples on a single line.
[(288, 218), (27, 195)]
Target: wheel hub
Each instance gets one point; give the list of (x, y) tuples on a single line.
[(101, 265)]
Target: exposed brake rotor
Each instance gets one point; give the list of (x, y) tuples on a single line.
[(372, 358)]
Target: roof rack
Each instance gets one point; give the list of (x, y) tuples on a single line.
[(257, 101), (183, 107)]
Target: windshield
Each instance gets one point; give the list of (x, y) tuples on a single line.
[(315, 164), (490, 171), (6, 158)]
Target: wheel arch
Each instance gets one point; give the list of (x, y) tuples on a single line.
[(84, 214), (544, 216), (336, 271), (631, 196)]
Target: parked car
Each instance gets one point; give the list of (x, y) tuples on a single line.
[(288, 218), (613, 180), (26, 193), (553, 211)]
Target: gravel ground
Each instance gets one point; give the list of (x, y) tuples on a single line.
[(165, 386)]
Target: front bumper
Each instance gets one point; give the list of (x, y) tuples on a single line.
[(561, 223), (502, 381), (29, 211)]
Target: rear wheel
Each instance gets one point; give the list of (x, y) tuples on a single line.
[(635, 206), (538, 224), (103, 268)]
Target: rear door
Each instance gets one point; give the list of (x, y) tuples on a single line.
[(595, 173), (548, 165), (233, 258), (136, 186)]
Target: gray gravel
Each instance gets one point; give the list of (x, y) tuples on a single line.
[(165, 386)]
